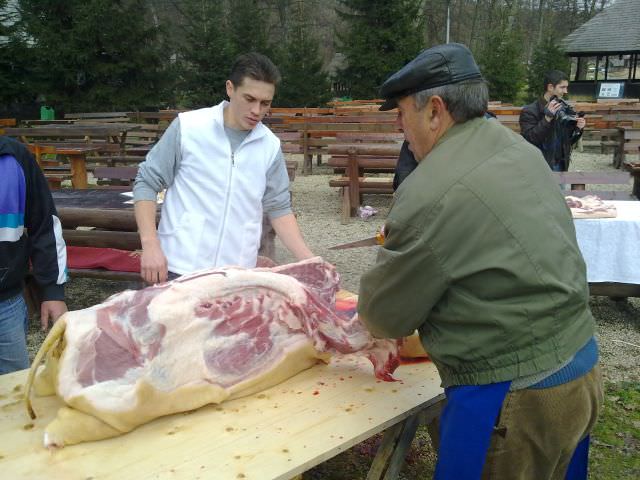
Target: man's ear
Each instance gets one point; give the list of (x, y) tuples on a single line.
[(436, 110), (230, 88)]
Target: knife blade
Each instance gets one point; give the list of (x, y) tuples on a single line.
[(378, 239)]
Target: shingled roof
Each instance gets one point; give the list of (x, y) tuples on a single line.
[(614, 30)]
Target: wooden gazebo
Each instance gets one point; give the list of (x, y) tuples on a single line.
[(605, 53)]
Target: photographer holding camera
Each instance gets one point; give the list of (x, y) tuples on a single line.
[(551, 124)]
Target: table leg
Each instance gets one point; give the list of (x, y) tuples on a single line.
[(397, 439), (123, 143), (354, 183), (78, 171), (393, 449), (636, 182), (431, 418)]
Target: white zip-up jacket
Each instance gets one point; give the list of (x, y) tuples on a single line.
[(212, 212)]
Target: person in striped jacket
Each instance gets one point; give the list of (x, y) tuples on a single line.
[(30, 235)]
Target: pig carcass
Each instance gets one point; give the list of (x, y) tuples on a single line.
[(200, 339)]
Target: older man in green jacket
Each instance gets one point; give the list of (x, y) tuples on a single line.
[(481, 258)]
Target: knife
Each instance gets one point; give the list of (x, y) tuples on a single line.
[(378, 239)]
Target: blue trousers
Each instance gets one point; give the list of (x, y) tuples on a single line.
[(14, 324), (466, 426)]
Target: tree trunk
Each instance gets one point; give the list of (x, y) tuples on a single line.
[(473, 24), (540, 19)]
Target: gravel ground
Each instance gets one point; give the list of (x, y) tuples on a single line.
[(318, 209)]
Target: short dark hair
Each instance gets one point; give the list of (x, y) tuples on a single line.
[(254, 65), (553, 77)]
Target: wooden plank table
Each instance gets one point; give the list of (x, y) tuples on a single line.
[(77, 156), (106, 210), (276, 434), (115, 133)]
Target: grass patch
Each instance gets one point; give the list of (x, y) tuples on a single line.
[(615, 442)]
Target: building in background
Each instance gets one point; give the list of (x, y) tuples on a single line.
[(605, 54)]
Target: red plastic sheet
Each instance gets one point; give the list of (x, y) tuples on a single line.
[(107, 258)]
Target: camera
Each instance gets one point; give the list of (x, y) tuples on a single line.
[(566, 115)]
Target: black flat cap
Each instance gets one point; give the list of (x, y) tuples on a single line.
[(433, 67)]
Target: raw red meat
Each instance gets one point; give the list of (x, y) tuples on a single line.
[(202, 338)]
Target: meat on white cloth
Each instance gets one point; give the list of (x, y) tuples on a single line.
[(202, 338), (590, 206)]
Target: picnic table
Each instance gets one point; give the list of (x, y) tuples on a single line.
[(104, 209), (77, 155), (114, 133), (610, 250), (276, 434)]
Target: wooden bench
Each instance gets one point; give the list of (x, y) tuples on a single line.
[(357, 159), (603, 140), (378, 161), (579, 181), (138, 142), (120, 178), (318, 128), (322, 133), (104, 117), (290, 142), (629, 145), (6, 122), (159, 117)]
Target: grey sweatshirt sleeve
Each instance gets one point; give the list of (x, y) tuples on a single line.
[(160, 166), (276, 201)]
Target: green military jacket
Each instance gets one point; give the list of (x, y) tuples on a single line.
[(481, 257)]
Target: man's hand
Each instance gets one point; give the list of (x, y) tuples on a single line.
[(581, 123), (51, 310), (153, 264), (551, 109)]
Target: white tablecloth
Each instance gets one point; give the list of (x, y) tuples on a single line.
[(611, 246)]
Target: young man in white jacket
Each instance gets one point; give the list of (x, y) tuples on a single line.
[(222, 169)]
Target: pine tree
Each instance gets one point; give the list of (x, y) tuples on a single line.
[(304, 84), (501, 65), (247, 27), (206, 53), (547, 56), (93, 54), (382, 36), (15, 82)]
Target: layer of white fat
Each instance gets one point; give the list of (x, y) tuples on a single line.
[(180, 360)]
